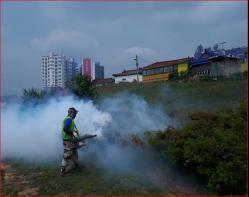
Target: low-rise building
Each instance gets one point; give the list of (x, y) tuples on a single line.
[(215, 66), (129, 76), (244, 63), (160, 71)]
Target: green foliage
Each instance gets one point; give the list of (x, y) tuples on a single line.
[(82, 86), (178, 99), (33, 95), (212, 145), (183, 75)]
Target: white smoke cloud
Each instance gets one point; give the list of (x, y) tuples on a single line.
[(132, 114), (34, 133)]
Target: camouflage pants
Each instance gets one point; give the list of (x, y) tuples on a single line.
[(70, 156)]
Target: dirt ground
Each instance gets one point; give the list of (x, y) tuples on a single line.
[(19, 184)]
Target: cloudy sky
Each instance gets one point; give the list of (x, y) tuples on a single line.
[(112, 33)]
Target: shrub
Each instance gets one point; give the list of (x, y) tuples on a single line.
[(213, 145)]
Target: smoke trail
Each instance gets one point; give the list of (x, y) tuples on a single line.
[(34, 133), (132, 114)]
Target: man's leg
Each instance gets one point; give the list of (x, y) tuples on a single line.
[(75, 157), (66, 164)]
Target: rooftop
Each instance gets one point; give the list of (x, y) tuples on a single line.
[(167, 63), (129, 72), (203, 61), (102, 81)]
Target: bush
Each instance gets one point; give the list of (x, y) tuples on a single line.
[(213, 145)]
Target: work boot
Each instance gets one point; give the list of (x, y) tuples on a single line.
[(63, 171), (79, 167)]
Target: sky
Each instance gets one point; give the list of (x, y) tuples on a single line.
[(112, 33)]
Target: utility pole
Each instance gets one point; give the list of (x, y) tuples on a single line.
[(136, 59)]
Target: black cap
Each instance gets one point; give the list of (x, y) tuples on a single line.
[(72, 109)]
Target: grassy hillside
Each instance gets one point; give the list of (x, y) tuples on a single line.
[(178, 99)]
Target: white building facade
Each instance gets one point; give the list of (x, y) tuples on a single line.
[(57, 70), (53, 71), (128, 76)]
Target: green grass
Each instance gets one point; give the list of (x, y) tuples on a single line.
[(89, 181), (178, 99)]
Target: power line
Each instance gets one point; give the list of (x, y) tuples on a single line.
[(145, 61)]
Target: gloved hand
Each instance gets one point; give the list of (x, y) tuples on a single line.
[(75, 134), (82, 143)]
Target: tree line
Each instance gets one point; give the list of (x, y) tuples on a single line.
[(81, 86)]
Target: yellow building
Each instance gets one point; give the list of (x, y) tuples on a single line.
[(160, 71), (182, 68), (244, 67)]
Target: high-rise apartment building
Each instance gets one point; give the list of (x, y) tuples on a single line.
[(92, 69), (87, 67), (57, 70), (53, 71), (99, 71), (71, 69)]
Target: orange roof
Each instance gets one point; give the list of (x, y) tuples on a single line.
[(167, 63)]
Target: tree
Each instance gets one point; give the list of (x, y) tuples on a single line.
[(33, 95), (82, 86), (216, 47), (198, 51)]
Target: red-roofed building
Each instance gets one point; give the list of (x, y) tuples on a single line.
[(160, 71)]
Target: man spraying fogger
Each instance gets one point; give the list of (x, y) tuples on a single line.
[(71, 142)]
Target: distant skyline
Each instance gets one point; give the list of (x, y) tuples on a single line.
[(112, 33)]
